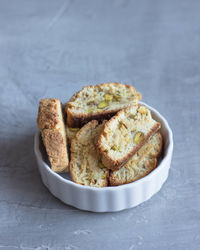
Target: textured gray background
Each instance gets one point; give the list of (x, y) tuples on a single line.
[(53, 48)]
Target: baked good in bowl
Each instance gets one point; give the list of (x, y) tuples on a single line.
[(124, 134), (141, 164), (52, 127), (99, 102), (114, 198), (85, 165)]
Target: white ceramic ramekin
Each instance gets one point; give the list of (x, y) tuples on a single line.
[(108, 199)]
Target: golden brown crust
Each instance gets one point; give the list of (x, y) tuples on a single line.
[(48, 117), (116, 182), (78, 120), (56, 149), (52, 128)]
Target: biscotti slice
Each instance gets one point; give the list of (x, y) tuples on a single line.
[(99, 102), (53, 131), (124, 134), (141, 164), (71, 133), (86, 167)]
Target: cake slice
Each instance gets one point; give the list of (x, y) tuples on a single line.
[(86, 167), (141, 164), (99, 102), (124, 134), (51, 124)]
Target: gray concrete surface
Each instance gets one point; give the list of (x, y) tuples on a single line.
[(52, 49)]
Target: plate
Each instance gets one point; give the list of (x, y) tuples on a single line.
[(108, 199)]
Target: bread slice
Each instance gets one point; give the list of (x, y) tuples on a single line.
[(99, 102), (124, 134), (141, 164), (86, 167), (52, 128)]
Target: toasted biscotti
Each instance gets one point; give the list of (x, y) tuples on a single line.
[(124, 134), (86, 167), (71, 133), (141, 164), (52, 128), (99, 102)]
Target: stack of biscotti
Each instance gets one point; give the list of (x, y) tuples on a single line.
[(114, 139)]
